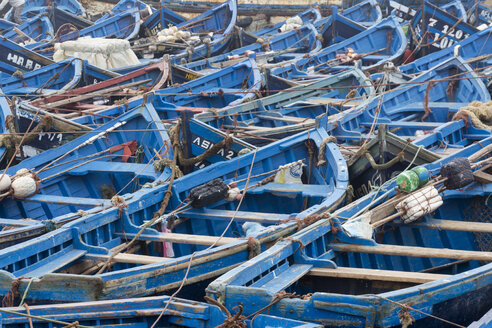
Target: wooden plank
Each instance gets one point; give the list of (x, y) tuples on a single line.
[(66, 200), (307, 190), (93, 94), (127, 258), (287, 277), (143, 170), (334, 101), (181, 238), (456, 225), (289, 119), (243, 9), (241, 216), (415, 251), (18, 223), (378, 275), (59, 123), (56, 263), (482, 176)]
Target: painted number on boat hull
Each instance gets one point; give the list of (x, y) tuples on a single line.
[(19, 61), (437, 28), (207, 144)]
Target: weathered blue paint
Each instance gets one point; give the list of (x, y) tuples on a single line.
[(438, 23), (279, 111), (220, 19), (139, 312), (75, 181), (94, 235), (301, 41), (227, 87), (459, 297), (366, 13), (14, 57), (309, 16), (381, 43), (64, 75), (36, 7), (476, 45), (38, 28)]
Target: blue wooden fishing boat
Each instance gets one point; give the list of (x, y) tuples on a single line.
[(410, 102), (439, 31), (336, 28), (401, 109), (164, 311), (70, 103), (456, 9), (63, 75), (36, 29), (161, 19), (480, 14), (84, 174), (192, 227), (14, 57), (123, 6), (293, 110), (473, 47), (198, 136), (122, 26), (484, 322), (309, 16), (36, 7), (227, 87), (59, 17), (220, 21), (375, 46), (419, 272), (301, 41), (366, 13), (6, 25), (414, 4), (214, 27)]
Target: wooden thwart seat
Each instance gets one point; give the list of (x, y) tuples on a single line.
[(241, 216), (456, 225), (127, 258), (378, 275), (181, 238), (414, 251), (288, 119), (67, 200)]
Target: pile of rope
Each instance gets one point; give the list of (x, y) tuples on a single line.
[(480, 114), (10, 141), (173, 34)]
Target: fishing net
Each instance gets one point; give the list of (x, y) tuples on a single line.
[(104, 53), (480, 210)]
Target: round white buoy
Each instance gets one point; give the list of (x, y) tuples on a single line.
[(24, 186), (5, 182), (22, 172)]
